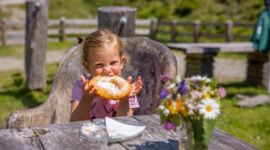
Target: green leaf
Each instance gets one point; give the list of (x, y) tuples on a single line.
[(176, 120)]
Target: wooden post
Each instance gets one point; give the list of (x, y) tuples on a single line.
[(3, 31), (119, 20), (173, 31), (200, 64), (196, 34), (153, 30), (258, 69), (63, 29), (36, 43), (229, 28)]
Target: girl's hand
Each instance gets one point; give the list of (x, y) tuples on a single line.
[(87, 91), (136, 87)]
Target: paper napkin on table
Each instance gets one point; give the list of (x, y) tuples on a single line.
[(118, 131)]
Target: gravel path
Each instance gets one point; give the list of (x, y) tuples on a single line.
[(10, 62), (224, 69)]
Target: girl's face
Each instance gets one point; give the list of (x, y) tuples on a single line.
[(104, 61)]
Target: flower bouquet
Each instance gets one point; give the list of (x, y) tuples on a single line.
[(193, 104)]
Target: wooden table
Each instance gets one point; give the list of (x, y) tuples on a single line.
[(67, 136), (200, 59)]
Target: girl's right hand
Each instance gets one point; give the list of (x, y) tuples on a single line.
[(87, 90)]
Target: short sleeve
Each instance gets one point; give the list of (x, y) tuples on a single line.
[(77, 91), (133, 103)]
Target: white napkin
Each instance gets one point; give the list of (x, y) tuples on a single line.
[(118, 131)]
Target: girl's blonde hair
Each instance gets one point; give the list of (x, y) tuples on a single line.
[(101, 38)]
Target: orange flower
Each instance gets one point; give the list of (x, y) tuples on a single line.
[(183, 109), (179, 105)]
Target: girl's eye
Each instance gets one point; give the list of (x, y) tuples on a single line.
[(114, 63), (98, 65)]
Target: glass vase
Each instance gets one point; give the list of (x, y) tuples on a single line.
[(196, 134)]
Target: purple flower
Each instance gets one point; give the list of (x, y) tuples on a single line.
[(164, 78), (222, 92), (169, 126), (163, 94), (183, 89)]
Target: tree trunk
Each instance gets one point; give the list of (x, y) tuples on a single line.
[(36, 43), (119, 20)]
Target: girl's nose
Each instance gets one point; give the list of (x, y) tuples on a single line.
[(107, 70)]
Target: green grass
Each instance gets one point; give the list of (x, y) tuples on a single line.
[(250, 125), (14, 95), (15, 51), (18, 51)]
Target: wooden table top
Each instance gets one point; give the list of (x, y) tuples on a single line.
[(67, 136), (190, 48)]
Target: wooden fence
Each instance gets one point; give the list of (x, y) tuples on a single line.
[(12, 33), (197, 30)]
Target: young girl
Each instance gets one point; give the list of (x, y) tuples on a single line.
[(103, 55)]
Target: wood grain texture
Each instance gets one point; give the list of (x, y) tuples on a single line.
[(145, 57), (148, 59), (109, 18), (67, 136), (36, 44)]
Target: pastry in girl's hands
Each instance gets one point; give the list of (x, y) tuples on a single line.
[(113, 87)]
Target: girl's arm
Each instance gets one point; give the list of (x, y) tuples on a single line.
[(123, 106), (80, 110)]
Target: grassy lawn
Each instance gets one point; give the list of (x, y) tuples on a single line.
[(250, 125), (14, 95)]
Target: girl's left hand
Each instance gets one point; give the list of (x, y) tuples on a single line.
[(136, 87)]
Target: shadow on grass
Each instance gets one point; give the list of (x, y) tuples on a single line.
[(28, 98), (242, 88)]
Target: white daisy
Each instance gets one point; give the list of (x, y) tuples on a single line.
[(171, 86), (209, 108), (161, 107), (178, 79), (206, 79), (166, 112), (191, 107)]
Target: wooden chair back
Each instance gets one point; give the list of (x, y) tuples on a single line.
[(145, 58)]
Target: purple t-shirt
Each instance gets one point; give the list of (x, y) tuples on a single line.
[(101, 107)]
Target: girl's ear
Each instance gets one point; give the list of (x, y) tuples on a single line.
[(123, 58), (86, 66)]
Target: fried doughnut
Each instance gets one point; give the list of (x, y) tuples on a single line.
[(114, 87)]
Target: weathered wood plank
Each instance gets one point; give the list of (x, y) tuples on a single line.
[(67, 136), (190, 48)]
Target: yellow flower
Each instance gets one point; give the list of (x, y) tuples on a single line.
[(172, 108), (207, 95)]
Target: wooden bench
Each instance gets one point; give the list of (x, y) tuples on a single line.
[(199, 60)]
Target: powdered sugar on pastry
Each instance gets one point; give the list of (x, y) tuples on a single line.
[(113, 87)]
